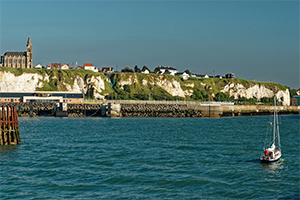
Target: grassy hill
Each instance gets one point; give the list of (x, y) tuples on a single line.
[(144, 86)]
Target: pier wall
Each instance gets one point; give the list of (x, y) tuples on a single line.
[(151, 110)]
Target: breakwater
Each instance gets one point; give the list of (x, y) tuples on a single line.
[(152, 110), (48, 109)]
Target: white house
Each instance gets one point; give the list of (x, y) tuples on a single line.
[(184, 75), (89, 66), (146, 71), (172, 70), (38, 66), (65, 66)]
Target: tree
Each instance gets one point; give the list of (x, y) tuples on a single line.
[(188, 72), (145, 68), (137, 69), (127, 69), (156, 70)]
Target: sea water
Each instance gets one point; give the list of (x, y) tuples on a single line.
[(149, 158)]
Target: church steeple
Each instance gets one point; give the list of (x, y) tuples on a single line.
[(29, 54), (29, 41)]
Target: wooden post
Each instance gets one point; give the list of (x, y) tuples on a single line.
[(9, 127)]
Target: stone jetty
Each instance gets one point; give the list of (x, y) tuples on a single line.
[(150, 110)]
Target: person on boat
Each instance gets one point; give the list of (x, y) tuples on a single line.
[(266, 152)]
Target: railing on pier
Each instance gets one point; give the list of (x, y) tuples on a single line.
[(9, 132)]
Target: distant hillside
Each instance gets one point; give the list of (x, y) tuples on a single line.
[(141, 86)]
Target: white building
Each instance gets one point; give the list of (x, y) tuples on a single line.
[(89, 66), (146, 71), (38, 66), (172, 70), (65, 66), (184, 75)]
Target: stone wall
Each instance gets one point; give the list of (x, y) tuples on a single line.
[(158, 110)]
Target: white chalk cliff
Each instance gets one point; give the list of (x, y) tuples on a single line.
[(258, 91)]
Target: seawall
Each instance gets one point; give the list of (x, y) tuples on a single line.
[(154, 110)]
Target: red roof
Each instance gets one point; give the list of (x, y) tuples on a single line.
[(80, 67), (88, 64)]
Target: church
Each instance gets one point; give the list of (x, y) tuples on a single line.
[(16, 59)]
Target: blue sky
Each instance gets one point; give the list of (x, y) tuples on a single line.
[(256, 40)]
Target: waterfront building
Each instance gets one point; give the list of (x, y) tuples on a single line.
[(15, 59)]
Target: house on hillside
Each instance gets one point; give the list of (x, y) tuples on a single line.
[(146, 71), (90, 66), (38, 66), (172, 70), (107, 69), (183, 75), (219, 76), (80, 67), (48, 66), (55, 65), (65, 66), (202, 76), (230, 75)]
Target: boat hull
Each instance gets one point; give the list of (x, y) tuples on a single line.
[(269, 161)]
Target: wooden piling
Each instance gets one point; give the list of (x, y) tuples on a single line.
[(9, 126)]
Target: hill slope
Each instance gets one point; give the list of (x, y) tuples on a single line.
[(140, 86)]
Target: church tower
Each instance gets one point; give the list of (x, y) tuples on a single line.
[(29, 61)]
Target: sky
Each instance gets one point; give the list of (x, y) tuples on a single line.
[(255, 40)]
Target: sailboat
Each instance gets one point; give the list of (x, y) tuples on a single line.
[(273, 153)]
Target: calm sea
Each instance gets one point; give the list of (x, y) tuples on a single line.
[(149, 158)]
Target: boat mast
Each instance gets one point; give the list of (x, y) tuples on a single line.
[(274, 126)]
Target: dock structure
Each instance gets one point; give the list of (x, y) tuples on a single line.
[(9, 132)]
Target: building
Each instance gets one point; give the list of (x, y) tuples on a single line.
[(146, 71), (80, 67), (107, 69), (90, 66), (38, 66), (65, 66), (183, 75), (16, 59), (42, 96), (229, 75), (56, 65), (295, 100), (172, 70)]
